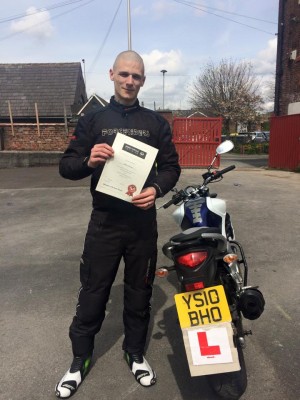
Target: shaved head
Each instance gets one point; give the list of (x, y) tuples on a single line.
[(129, 55), (128, 75)]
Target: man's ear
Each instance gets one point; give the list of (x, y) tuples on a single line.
[(143, 81), (111, 74)]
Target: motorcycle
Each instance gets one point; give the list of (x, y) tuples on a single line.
[(214, 295)]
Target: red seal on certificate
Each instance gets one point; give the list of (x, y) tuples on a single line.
[(130, 190)]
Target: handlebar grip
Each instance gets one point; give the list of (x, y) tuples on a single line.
[(177, 198), (227, 169), (223, 171), (168, 204)]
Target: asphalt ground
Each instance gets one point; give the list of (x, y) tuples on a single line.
[(43, 224)]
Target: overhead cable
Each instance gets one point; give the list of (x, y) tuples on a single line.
[(192, 5), (104, 40), (37, 11), (42, 22)]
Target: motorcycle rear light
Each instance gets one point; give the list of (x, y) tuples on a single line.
[(191, 260), (194, 286)]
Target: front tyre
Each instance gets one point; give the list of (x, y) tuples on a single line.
[(230, 385)]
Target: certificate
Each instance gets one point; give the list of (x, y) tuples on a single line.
[(125, 174)]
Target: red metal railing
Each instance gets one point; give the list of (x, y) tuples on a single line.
[(196, 140), (284, 150)]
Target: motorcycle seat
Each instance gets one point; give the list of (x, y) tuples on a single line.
[(193, 233)]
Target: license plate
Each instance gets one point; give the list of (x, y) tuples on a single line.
[(202, 307)]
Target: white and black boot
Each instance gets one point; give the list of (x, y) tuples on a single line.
[(73, 378), (141, 369)]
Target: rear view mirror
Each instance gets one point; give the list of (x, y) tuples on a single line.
[(225, 147)]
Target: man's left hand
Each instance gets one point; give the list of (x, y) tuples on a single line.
[(146, 199)]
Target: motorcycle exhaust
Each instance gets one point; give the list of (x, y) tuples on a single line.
[(251, 303)]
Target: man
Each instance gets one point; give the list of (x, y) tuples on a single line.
[(118, 229)]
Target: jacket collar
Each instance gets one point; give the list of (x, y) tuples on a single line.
[(122, 108)]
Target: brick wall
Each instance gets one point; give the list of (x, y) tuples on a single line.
[(26, 137), (289, 75), (50, 137)]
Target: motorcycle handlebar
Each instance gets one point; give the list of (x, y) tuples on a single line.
[(223, 171), (181, 195), (168, 204), (177, 198)]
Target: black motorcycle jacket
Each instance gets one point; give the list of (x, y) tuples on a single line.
[(101, 126)]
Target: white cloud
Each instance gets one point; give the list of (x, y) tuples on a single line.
[(264, 67), (265, 62), (175, 79), (157, 60), (36, 23)]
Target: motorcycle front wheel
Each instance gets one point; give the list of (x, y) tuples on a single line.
[(230, 385)]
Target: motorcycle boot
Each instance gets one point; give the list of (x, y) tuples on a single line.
[(73, 378), (141, 369)]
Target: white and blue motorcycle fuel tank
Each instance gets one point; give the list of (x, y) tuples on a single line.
[(201, 212)]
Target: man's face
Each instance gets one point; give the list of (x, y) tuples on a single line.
[(128, 77)]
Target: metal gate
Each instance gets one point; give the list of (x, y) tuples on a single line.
[(284, 150), (196, 140)]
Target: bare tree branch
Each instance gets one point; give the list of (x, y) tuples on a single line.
[(230, 90)]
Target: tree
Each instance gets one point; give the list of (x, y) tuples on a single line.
[(229, 90), (269, 93)]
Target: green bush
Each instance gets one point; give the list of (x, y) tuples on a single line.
[(252, 148)]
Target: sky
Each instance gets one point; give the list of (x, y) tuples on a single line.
[(178, 36)]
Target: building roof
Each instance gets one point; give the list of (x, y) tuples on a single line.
[(95, 102), (193, 113), (57, 88)]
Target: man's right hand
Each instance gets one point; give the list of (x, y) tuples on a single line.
[(99, 154)]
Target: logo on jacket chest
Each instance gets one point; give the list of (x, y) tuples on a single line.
[(125, 131)]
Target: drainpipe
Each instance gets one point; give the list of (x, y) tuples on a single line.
[(279, 59), (1, 138)]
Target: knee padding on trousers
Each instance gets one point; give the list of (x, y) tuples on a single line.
[(91, 306), (137, 301)]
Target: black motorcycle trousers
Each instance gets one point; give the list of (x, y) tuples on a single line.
[(110, 237)]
